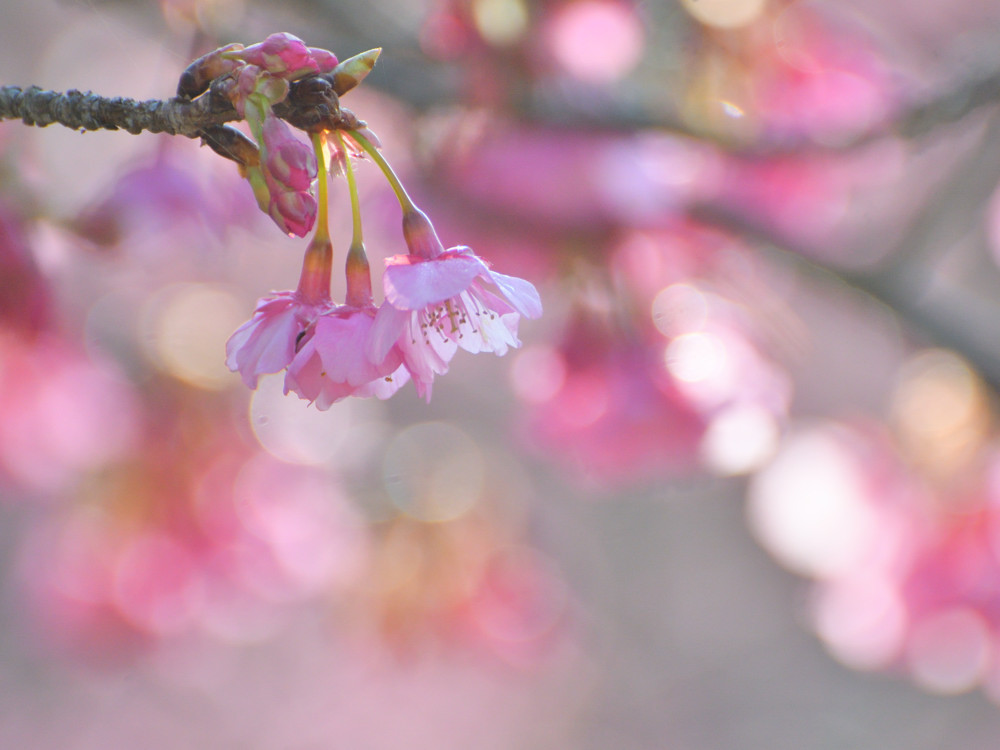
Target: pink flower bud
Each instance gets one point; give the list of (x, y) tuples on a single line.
[(288, 160), (283, 55), (294, 212), (255, 91), (324, 59)]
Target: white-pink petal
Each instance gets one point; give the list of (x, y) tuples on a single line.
[(416, 285), (390, 322), (521, 294)]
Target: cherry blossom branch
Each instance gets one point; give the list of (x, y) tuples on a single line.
[(945, 313), (312, 104), (84, 110), (913, 119)]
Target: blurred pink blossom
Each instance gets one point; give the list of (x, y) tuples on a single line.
[(64, 413), (821, 76), (161, 198), (614, 415), (25, 297), (213, 539), (578, 180), (906, 566)]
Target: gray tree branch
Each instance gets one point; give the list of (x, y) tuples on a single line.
[(83, 110)]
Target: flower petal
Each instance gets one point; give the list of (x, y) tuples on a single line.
[(522, 294), (265, 344), (387, 329), (413, 283)]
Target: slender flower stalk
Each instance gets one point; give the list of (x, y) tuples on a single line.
[(283, 321), (359, 280), (332, 360), (418, 231), (437, 300), (322, 212), (402, 196), (317, 265)]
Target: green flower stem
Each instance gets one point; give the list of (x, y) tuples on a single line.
[(357, 240), (322, 214), (359, 280), (397, 187)]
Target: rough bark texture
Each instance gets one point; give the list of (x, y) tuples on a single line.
[(83, 110)]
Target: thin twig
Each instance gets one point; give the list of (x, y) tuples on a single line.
[(946, 314)]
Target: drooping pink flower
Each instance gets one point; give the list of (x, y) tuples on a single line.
[(269, 340), (266, 343), (435, 303), (333, 362)]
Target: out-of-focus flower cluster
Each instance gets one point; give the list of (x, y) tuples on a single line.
[(899, 528), (672, 355)]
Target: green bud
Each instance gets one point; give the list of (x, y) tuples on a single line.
[(353, 70)]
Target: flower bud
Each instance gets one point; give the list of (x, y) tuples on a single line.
[(324, 59), (283, 55), (198, 75), (353, 70), (294, 212), (289, 161)]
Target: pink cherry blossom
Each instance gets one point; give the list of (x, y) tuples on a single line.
[(434, 305), (332, 362), (267, 342), (603, 408)]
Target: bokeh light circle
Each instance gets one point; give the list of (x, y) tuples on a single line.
[(725, 14), (185, 328), (598, 41), (433, 471)]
